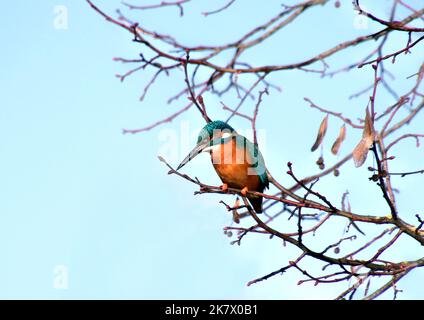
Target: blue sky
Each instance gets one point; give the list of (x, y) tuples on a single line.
[(77, 193)]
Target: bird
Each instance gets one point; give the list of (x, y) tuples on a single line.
[(237, 161)]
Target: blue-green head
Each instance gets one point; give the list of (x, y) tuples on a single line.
[(214, 129)]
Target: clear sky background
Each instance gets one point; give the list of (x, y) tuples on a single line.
[(81, 200)]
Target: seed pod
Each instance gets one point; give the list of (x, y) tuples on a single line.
[(320, 163), (336, 145), (236, 216), (321, 133), (361, 150)]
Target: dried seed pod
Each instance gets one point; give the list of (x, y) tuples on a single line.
[(336, 172), (236, 216), (321, 133), (361, 150), (374, 177), (320, 163), (342, 136)]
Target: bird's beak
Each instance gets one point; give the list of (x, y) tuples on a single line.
[(197, 149)]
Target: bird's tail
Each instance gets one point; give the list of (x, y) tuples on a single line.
[(256, 203)]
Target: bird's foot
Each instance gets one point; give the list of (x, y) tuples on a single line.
[(244, 191), (224, 187)]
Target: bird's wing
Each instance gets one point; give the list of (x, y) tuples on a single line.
[(258, 163)]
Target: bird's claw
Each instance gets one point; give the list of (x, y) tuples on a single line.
[(244, 191), (224, 187)]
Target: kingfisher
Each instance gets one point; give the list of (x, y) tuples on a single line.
[(237, 161)]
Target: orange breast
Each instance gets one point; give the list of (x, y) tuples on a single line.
[(232, 165)]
